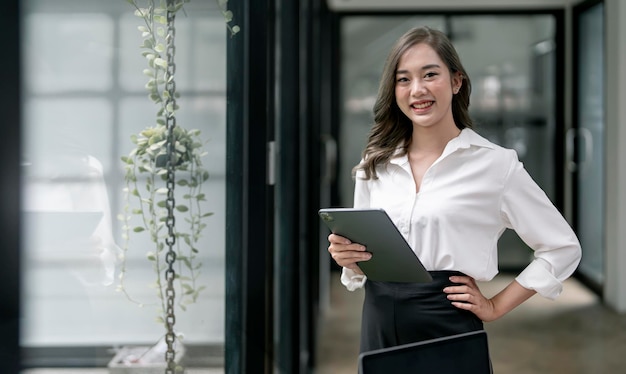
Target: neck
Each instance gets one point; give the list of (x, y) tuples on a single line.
[(432, 139)]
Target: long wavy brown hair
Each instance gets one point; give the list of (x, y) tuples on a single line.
[(391, 127)]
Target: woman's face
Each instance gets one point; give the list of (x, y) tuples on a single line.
[(424, 87)]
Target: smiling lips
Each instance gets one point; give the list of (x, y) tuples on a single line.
[(422, 105)]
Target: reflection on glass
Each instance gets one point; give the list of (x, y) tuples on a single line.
[(88, 39), (510, 60), (83, 96)]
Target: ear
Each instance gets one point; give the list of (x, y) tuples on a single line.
[(457, 81)]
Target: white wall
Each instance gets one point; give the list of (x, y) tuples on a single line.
[(615, 218)]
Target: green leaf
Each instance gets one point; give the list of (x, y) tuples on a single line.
[(160, 19), (139, 229), (228, 15), (182, 208), (160, 62), (141, 12)]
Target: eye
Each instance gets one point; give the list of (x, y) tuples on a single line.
[(402, 79), (431, 74)]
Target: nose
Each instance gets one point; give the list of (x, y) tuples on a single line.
[(417, 87)]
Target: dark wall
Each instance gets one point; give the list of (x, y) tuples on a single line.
[(9, 188)]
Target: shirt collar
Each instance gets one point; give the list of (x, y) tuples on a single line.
[(464, 140), (468, 138)]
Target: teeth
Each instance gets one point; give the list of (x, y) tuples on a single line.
[(423, 105)]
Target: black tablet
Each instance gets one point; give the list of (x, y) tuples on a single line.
[(462, 353), (392, 260)]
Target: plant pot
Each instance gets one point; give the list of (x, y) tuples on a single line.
[(144, 359)]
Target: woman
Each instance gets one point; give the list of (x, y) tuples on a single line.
[(451, 193)]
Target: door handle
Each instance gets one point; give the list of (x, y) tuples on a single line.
[(572, 164), (588, 138), (330, 158)]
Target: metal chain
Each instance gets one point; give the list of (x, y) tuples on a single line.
[(170, 240)]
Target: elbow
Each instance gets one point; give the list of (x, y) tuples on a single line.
[(574, 258)]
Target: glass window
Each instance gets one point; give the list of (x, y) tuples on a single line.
[(84, 95)]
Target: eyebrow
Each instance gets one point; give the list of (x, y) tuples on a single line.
[(425, 67)]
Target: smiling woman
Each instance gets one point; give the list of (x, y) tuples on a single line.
[(451, 193), (512, 95)]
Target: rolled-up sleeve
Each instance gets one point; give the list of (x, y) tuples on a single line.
[(352, 280), (526, 209)]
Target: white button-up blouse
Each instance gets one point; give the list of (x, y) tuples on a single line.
[(468, 197)]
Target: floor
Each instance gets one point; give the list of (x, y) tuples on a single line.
[(574, 334)]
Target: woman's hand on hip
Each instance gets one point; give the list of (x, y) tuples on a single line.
[(466, 295), (347, 254)]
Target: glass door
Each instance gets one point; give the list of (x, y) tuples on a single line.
[(586, 141)]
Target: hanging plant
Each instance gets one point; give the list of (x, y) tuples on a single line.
[(146, 171), (166, 157)]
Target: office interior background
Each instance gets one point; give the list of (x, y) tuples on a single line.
[(285, 106)]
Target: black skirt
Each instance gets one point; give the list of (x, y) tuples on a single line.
[(402, 313)]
